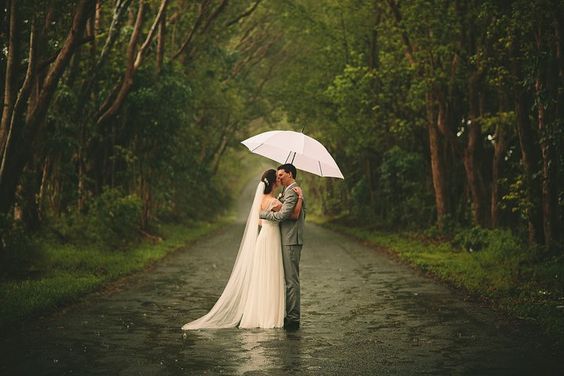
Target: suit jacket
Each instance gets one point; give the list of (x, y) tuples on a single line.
[(291, 230)]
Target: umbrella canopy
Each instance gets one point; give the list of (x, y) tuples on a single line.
[(304, 152)]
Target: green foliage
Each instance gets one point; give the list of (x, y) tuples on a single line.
[(118, 217), (111, 220), (67, 272), (353, 92), (19, 253), (471, 240), (403, 189), (341, 71), (360, 196), (517, 199), (497, 247), (373, 83)]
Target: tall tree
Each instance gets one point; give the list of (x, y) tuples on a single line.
[(27, 116)]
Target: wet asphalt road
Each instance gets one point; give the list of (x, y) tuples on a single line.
[(362, 313)]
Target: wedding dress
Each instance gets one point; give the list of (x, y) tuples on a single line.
[(265, 306), (255, 289)]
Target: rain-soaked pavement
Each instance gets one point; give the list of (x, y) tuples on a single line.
[(362, 313)]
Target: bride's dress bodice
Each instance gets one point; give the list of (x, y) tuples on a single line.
[(265, 222)]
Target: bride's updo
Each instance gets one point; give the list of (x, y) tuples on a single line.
[(269, 179)]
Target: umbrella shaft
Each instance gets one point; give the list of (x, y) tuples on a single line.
[(288, 157)]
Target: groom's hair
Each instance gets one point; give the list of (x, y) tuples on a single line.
[(288, 167)]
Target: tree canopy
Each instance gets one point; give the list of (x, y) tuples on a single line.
[(438, 112)]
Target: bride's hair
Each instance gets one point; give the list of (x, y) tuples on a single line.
[(268, 178)]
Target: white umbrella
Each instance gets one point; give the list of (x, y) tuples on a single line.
[(302, 151)]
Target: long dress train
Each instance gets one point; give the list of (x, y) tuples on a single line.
[(246, 280)]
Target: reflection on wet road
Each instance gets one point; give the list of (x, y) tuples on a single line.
[(362, 314)]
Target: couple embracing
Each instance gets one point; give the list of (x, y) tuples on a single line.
[(263, 290)]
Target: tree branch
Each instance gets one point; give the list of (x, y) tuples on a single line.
[(9, 83), (161, 43), (45, 63), (199, 20), (245, 14), (151, 35), (214, 15), (20, 145), (61, 62), (112, 104), (394, 7), (134, 61), (21, 100), (197, 24), (114, 30)]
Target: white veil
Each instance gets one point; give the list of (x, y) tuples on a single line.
[(228, 310)]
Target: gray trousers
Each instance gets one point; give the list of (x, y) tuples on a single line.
[(291, 259)]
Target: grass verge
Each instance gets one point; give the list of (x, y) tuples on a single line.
[(517, 282), (64, 273)]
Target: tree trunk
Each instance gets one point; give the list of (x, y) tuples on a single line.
[(120, 92), (437, 166), (115, 27), (527, 142), (8, 163), (369, 181), (91, 31), (558, 166), (98, 16), (146, 198), (497, 164), (41, 196), (11, 74), (471, 155), (529, 162), (546, 87), (81, 173), (29, 190), (26, 119), (134, 61), (197, 23), (161, 42), (546, 183), (346, 51)]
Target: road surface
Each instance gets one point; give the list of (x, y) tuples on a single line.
[(362, 313)]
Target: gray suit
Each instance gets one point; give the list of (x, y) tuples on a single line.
[(291, 232)]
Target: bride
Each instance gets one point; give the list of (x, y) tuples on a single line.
[(254, 296)]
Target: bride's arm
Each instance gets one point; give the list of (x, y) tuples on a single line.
[(286, 210), (277, 205)]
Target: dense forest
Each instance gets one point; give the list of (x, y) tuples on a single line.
[(441, 114)]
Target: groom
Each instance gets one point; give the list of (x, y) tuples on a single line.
[(291, 232)]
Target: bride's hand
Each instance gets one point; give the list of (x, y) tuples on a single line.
[(298, 190)]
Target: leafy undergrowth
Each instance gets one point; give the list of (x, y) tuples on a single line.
[(62, 273), (489, 264)]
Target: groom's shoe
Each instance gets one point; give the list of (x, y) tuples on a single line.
[(291, 325)]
